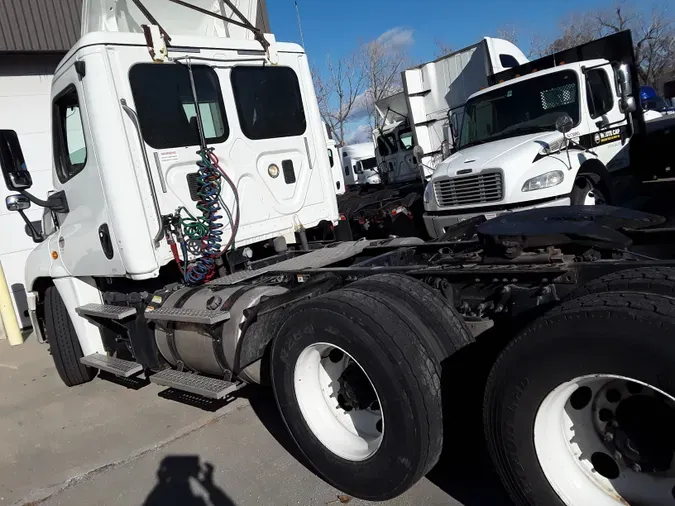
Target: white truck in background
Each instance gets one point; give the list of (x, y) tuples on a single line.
[(419, 114), (359, 164), (556, 131), (334, 161)]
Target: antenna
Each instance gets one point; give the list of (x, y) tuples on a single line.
[(297, 11)]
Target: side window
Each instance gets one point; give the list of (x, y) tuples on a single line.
[(330, 158), (391, 142), (600, 100), (405, 140), (166, 108), (70, 149), (269, 102), (382, 146), (508, 61)]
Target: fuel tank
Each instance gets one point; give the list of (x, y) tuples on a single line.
[(211, 350)]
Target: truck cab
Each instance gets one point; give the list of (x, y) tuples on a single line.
[(172, 148), (512, 152), (360, 164), (394, 141)]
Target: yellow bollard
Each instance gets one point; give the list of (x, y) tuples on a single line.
[(7, 315)]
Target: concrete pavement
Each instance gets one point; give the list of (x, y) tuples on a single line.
[(105, 444)]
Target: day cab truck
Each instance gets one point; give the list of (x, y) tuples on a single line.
[(565, 129), (360, 341)]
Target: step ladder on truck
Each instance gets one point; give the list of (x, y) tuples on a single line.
[(357, 339)]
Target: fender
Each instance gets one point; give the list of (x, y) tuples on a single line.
[(77, 292), (41, 264), (593, 166)]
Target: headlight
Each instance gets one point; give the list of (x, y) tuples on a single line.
[(427, 193), (548, 180)]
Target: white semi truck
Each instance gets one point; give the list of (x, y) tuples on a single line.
[(358, 339), (512, 152)]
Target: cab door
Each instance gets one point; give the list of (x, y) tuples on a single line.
[(86, 244), (608, 136)]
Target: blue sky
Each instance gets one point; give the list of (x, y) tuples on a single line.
[(338, 27)]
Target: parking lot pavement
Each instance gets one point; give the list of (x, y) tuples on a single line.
[(105, 444)]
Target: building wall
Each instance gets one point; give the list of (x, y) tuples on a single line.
[(25, 83)]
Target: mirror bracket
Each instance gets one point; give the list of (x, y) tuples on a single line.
[(55, 202)]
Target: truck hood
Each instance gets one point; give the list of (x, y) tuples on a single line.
[(496, 154)]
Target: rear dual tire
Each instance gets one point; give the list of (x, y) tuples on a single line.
[(547, 413), (398, 355)]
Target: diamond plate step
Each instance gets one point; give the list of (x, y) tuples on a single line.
[(116, 366), (194, 383), (106, 311), (204, 316)]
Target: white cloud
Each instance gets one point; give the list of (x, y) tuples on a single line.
[(362, 106), (396, 38), (362, 133)]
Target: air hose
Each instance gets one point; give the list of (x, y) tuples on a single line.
[(205, 230)]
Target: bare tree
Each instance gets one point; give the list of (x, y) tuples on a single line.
[(442, 48), (337, 93), (653, 36), (381, 66), (508, 32)]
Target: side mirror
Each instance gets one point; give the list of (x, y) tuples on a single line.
[(624, 85), (12, 162), (418, 152), (17, 203), (564, 124)]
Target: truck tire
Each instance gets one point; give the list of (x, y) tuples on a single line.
[(579, 408), (359, 392), (420, 299), (654, 280), (589, 190), (63, 343)]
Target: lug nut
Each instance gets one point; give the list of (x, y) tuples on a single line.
[(609, 437), (617, 455), (637, 468)]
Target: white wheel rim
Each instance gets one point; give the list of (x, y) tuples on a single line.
[(570, 443), (353, 435), (589, 200)]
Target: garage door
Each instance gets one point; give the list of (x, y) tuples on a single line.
[(24, 107)]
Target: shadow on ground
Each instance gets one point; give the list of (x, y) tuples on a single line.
[(464, 470), (184, 480)]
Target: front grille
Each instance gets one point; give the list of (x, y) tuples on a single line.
[(475, 189)]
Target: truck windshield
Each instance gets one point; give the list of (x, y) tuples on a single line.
[(526, 107), (367, 164)]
